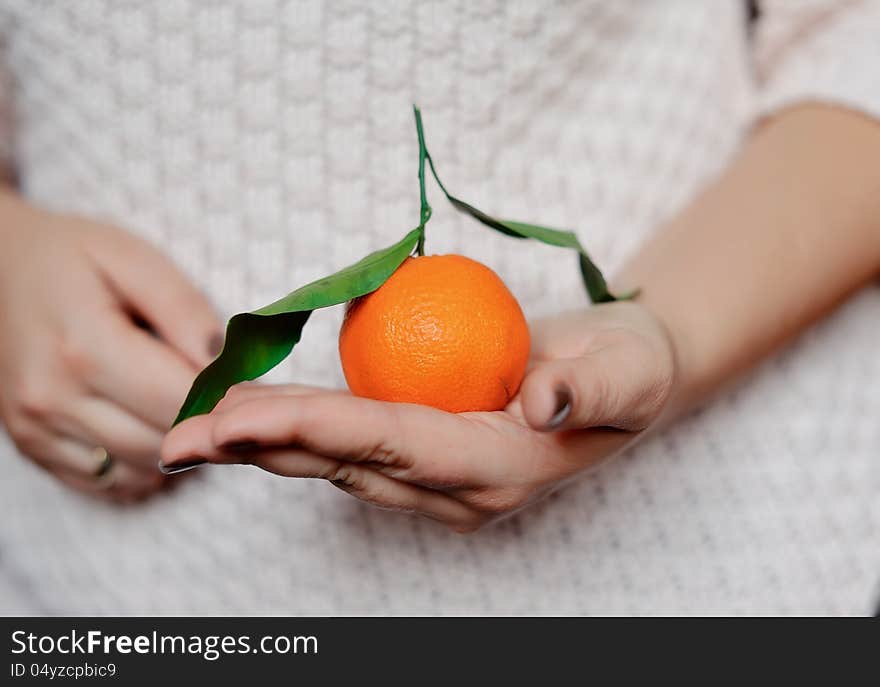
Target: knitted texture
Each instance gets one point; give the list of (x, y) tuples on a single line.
[(267, 143)]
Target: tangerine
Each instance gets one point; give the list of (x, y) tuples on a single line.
[(442, 331)]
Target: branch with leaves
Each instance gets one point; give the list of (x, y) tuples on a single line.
[(257, 341)]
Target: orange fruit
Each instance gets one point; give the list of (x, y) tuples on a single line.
[(443, 331)]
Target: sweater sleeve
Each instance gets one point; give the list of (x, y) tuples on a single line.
[(818, 50)]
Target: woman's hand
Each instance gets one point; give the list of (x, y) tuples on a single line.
[(598, 379), (100, 339)]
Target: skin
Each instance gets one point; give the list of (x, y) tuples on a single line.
[(101, 338), (795, 215), (786, 233)]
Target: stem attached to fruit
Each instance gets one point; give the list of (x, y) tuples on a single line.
[(425, 214)]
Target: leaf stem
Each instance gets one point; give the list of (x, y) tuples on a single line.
[(594, 281), (436, 178), (425, 213)]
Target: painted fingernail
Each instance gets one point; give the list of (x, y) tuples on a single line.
[(562, 410), (181, 467), (215, 344), (240, 446)]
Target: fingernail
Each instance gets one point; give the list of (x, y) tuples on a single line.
[(180, 467), (215, 344), (240, 446), (562, 410)]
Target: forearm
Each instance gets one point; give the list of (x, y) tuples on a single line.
[(785, 234)]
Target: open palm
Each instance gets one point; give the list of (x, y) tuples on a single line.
[(597, 379)]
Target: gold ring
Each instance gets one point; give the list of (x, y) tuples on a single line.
[(103, 462)]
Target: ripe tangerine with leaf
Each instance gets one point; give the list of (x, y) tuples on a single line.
[(443, 331)]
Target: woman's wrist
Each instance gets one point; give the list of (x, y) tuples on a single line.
[(781, 237), (8, 204), (13, 213)]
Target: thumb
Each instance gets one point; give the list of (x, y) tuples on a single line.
[(600, 389), (152, 286)]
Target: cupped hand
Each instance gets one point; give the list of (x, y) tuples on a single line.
[(101, 338), (598, 379)]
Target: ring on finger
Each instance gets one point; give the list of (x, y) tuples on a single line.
[(103, 466)]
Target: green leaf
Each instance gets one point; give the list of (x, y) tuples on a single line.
[(257, 341), (595, 283)]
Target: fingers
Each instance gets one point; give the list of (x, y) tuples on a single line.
[(371, 486), (139, 373), (193, 440), (121, 485), (563, 394), (191, 443), (101, 423), (89, 420), (67, 456), (464, 470), (249, 391), (153, 286), (75, 464), (612, 387), (283, 421), (410, 442), (462, 510)]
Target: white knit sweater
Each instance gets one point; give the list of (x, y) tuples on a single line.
[(266, 143)]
